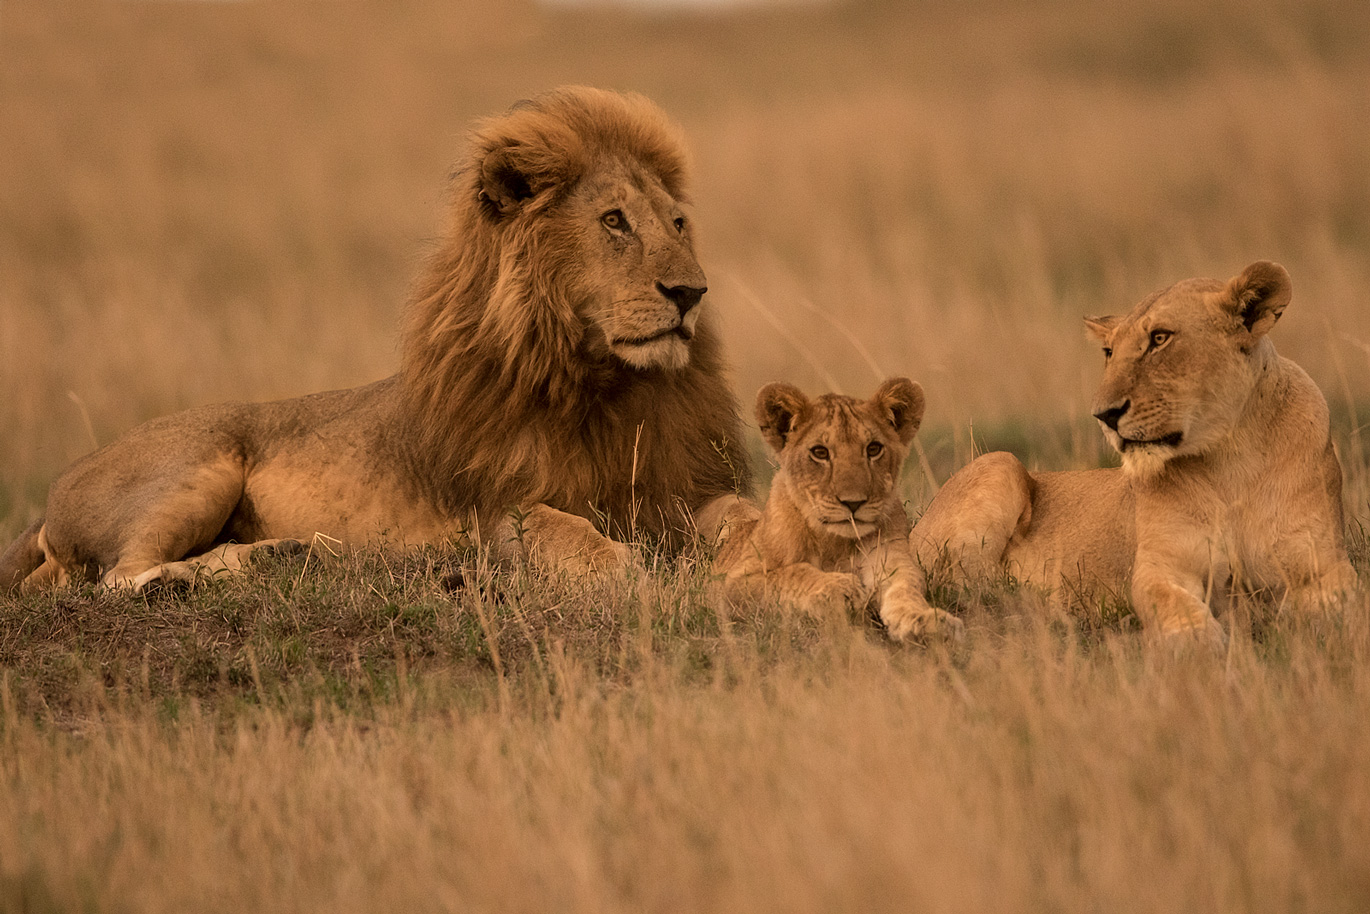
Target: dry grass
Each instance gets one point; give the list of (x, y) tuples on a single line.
[(361, 738), (201, 202)]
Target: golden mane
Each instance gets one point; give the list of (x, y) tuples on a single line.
[(501, 403)]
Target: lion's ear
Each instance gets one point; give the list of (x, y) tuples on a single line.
[(777, 407), (504, 185), (1259, 296), (514, 171), (1100, 327), (902, 403)]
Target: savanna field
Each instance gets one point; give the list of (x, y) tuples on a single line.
[(203, 202)]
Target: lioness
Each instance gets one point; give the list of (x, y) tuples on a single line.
[(558, 360), (833, 534), (1229, 480)]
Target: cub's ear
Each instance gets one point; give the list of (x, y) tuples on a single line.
[(1258, 296), (777, 408), (902, 402), (1099, 328)]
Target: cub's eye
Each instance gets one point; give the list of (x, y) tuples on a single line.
[(614, 219), (874, 449), (1108, 353), (819, 452), (1159, 338), (680, 223)]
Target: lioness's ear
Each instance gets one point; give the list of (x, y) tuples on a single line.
[(1100, 327), (777, 406), (902, 402), (1259, 296)]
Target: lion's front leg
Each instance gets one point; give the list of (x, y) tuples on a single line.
[(558, 541), (726, 519)]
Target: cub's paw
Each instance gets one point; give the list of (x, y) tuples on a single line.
[(834, 594), (907, 621), (1206, 636)]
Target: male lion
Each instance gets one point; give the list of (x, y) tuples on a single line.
[(1229, 481), (557, 363), (833, 535)]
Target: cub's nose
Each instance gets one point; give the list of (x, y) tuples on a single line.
[(852, 506), (1110, 415), (684, 297)]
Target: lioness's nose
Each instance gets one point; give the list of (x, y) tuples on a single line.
[(853, 505), (1112, 414), (684, 297)]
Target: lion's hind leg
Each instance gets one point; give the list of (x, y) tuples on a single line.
[(23, 559), (228, 558), (129, 521), (970, 522)]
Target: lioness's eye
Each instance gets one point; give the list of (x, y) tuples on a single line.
[(874, 449), (1159, 338), (1108, 353), (615, 220), (819, 452), (680, 223)]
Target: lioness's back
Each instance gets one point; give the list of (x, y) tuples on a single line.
[(1081, 519)]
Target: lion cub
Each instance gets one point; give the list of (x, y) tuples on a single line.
[(1229, 480), (833, 535)]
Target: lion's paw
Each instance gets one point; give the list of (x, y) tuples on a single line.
[(568, 543)]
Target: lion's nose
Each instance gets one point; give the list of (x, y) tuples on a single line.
[(684, 297), (1110, 415), (852, 506)]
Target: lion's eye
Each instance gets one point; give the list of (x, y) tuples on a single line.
[(1159, 338), (1108, 353), (680, 223), (874, 449), (819, 452), (614, 219)]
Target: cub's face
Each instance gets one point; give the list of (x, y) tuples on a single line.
[(840, 457), (1181, 366)]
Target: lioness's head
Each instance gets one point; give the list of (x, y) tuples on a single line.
[(840, 457), (584, 190), (1181, 366)]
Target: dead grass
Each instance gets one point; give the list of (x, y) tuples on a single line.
[(381, 743), (202, 202)]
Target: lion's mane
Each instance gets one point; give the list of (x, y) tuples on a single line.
[(501, 402)]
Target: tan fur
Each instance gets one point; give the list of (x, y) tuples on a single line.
[(1229, 480), (833, 534), (561, 383)]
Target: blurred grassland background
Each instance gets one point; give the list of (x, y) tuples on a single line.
[(205, 201), (214, 201)]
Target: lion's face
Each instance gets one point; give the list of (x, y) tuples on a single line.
[(592, 228), (1181, 366), (643, 287), (840, 457)]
